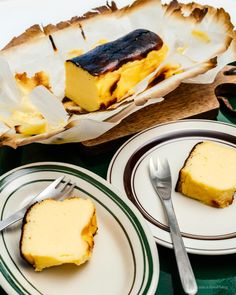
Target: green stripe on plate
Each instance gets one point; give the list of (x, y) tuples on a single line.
[(91, 196), (122, 205)]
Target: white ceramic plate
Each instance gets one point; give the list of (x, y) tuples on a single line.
[(124, 259), (206, 230)]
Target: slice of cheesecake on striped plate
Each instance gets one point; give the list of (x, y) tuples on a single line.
[(209, 174), (58, 232)]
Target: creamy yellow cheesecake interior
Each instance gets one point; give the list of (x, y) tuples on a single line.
[(208, 174), (58, 232), (108, 73)]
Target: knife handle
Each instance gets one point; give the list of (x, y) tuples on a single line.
[(185, 270)]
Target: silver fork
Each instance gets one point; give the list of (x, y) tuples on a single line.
[(57, 189), (160, 176)]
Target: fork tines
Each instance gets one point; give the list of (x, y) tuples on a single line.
[(66, 187)]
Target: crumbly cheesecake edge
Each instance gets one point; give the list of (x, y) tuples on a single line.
[(90, 242)]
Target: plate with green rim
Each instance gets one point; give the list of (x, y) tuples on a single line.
[(124, 259)]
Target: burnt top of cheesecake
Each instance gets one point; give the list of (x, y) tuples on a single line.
[(111, 56)]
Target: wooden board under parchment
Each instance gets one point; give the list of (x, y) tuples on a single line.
[(187, 101)]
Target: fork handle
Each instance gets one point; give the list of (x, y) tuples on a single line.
[(185, 270), (11, 219)]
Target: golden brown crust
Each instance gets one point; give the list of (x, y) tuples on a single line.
[(30, 34), (8, 140), (77, 20), (88, 232), (196, 13), (72, 108), (216, 204), (14, 141), (50, 28), (178, 186), (104, 10), (136, 5), (39, 78), (24, 222)]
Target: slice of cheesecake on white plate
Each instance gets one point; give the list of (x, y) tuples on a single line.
[(209, 174), (58, 232)]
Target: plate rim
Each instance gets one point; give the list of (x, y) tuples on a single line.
[(140, 135), (146, 239)]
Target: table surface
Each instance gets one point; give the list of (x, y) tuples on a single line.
[(215, 274)]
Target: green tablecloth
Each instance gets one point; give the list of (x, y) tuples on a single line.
[(215, 274)]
